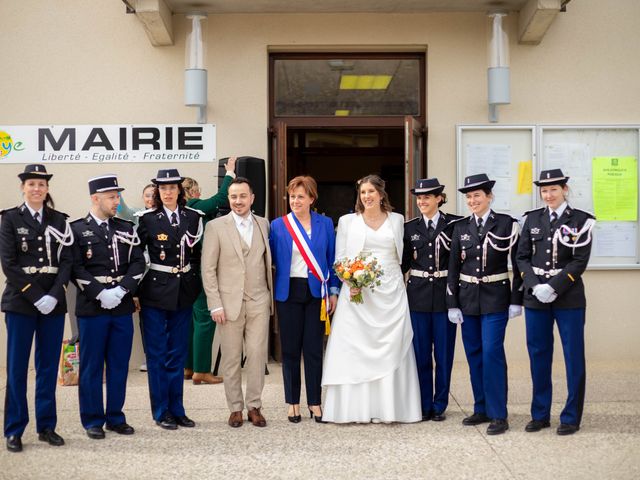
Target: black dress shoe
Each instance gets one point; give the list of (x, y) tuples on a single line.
[(51, 437), (122, 429), (536, 425), (185, 421), (168, 422), (96, 433), (567, 429), (476, 419), (497, 426), (14, 443), (438, 417), (426, 416)]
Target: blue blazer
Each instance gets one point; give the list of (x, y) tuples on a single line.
[(323, 244)]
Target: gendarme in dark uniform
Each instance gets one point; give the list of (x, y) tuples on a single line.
[(426, 258), (167, 294), (108, 266), (553, 253), (36, 261), (479, 291)]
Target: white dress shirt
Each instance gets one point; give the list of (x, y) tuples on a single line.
[(244, 226)]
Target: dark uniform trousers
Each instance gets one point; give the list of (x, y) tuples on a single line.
[(167, 299), (485, 305), (106, 336), (434, 337), (23, 246), (535, 250)]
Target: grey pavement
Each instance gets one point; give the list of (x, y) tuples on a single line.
[(607, 446)]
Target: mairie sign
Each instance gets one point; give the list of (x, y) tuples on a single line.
[(107, 143)]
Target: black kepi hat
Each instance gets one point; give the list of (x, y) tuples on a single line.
[(34, 170), (427, 185), (104, 183), (167, 176), (551, 177), (476, 182)]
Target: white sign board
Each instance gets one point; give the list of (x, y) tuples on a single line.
[(107, 143)]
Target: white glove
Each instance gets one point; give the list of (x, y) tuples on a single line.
[(544, 293), (515, 311), (46, 304), (108, 299), (119, 292), (455, 316)]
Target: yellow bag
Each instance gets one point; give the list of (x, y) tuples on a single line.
[(69, 364)]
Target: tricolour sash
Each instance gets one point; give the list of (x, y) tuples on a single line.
[(302, 242)]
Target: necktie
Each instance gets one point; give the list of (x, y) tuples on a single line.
[(244, 231), (36, 217), (104, 226), (480, 225), (554, 219), (430, 228), (174, 220)]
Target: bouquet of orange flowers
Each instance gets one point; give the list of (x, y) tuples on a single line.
[(362, 271)]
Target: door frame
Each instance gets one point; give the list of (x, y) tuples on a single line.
[(278, 126)]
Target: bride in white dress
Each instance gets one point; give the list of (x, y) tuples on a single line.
[(370, 370)]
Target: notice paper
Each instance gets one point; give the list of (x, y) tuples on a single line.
[(492, 159), (615, 188), (525, 177), (615, 239)]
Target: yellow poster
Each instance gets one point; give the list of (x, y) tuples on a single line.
[(615, 188), (525, 177)]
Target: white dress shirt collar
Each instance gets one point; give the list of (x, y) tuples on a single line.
[(238, 219), (98, 220), (170, 212), (33, 212), (434, 219), (559, 211), (485, 217)]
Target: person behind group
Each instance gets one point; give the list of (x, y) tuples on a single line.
[(236, 274), (169, 231), (553, 253), (427, 240), (481, 298), (370, 367), (303, 248), (130, 213), (37, 262), (198, 366), (108, 266)]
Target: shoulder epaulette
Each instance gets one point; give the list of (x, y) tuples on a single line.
[(123, 220), (412, 220), (588, 214), (455, 220), (7, 210), (533, 210), (144, 212), (199, 212)]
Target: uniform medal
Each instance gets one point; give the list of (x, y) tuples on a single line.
[(415, 254), (162, 254), (24, 245), (89, 252), (463, 255)]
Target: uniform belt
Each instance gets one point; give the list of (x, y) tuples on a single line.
[(486, 279), (167, 269), (108, 278), (423, 274), (553, 272), (44, 269)]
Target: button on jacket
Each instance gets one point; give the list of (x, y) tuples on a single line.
[(167, 246), (466, 258), (94, 256), (427, 293), (23, 245), (535, 250)]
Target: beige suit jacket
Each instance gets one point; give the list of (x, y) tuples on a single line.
[(223, 269)]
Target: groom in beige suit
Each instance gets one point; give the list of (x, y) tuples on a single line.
[(236, 274)]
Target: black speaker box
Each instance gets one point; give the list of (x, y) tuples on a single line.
[(253, 169)]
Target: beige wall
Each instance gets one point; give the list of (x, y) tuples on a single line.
[(88, 62)]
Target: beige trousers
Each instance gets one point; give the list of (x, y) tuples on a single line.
[(251, 328)]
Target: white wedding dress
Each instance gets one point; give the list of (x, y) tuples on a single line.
[(370, 368)]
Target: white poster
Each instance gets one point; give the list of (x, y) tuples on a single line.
[(107, 143), (495, 160), (615, 239)]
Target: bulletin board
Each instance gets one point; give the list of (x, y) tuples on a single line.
[(507, 155), (601, 161)]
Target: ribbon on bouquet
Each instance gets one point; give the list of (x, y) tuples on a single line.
[(302, 242)]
